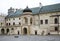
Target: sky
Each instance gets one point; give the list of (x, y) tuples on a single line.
[(21, 4)]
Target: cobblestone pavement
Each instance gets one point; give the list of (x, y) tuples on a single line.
[(29, 38)]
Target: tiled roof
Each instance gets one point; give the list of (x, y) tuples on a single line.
[(50, 8), (36, 10)]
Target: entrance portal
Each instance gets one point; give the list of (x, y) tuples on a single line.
[(25, 31)]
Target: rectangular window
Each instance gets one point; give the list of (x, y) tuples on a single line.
[(41, 21), (46, 21)]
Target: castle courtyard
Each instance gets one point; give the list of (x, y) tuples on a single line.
[(29, 38)]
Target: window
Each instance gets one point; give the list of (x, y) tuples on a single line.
[(30, 20), (13, 23), (13, 18), (55, 20), (19, 18), (6, 24), (19, 23), (41, 21), (56, 28), (9, 23), (46, 21), (26, 20)]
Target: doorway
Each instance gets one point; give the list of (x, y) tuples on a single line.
[(25, 31), (36, 32)]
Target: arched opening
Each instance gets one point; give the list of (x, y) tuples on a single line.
[(35, 32), (25, 31), (7, 30), (2, 31), (26, 20)]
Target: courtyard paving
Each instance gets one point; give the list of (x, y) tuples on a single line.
[(29, 38)]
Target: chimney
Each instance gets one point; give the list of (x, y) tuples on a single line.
[(40, 4)]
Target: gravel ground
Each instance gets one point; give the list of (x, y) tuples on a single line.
[(29, 38)]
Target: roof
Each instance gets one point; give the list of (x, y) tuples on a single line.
[(27, 9), (36, 10)]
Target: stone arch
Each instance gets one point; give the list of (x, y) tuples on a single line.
[(25, 31), (2, 31), (7, 30), (26, 20)]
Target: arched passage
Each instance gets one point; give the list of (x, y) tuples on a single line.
[(26, 20), (2, 31), (7, 30), (25, 31)]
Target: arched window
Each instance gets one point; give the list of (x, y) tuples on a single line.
[(55, 20), (26, 20), (30, 20)]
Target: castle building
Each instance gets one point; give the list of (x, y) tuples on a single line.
[(42, 20)]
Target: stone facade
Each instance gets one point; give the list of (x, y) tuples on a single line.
[(31, 24)]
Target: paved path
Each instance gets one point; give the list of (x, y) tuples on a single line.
[(29, 38)]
